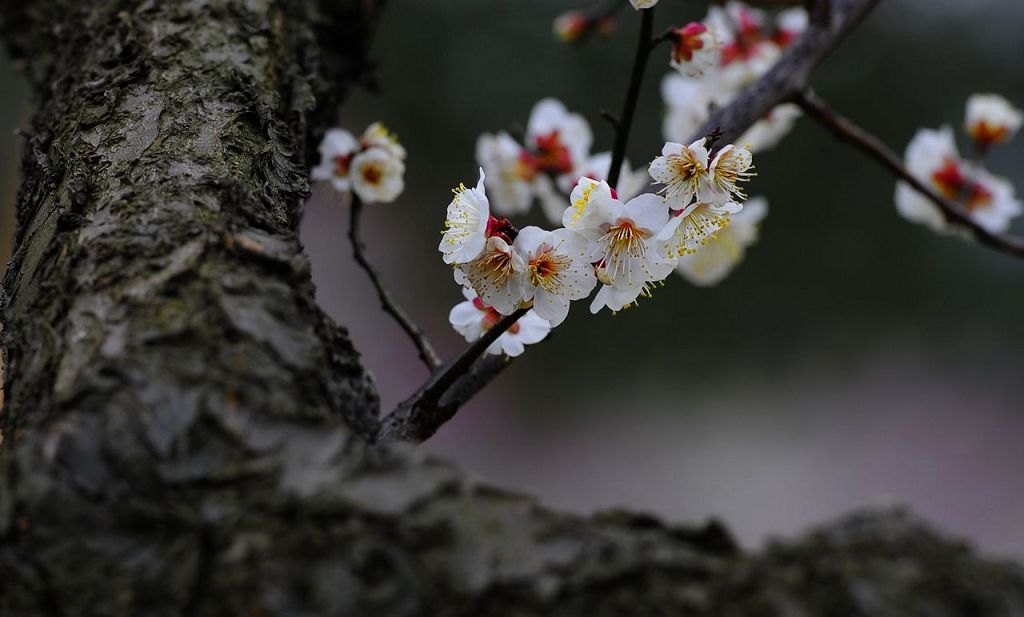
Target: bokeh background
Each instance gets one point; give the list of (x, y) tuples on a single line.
[(852, 360)]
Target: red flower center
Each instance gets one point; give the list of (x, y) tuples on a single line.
[(953, 184)]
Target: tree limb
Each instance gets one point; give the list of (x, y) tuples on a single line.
[(415, 333), (873, 147)]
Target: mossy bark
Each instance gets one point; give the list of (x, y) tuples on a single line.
[(184, 433)]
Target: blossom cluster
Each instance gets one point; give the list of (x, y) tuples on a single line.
[(932, 157), (624, 246), (556, 154), (716, 58), (372, 166)]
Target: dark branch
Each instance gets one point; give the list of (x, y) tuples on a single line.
[(643, 52), (954, 213), (419, 339), (791, 74), (419, 416)]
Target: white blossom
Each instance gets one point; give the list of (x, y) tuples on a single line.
[(683, 170), (465, 231), (695, 227), (686, 106), (558, 270), (643, 4), (991, 119), (557, 138), (509, 177), (336, 152), (472, 318), (498, 275), (769, 131), (622, 237), (378, 136), (694, 49), (712, 263), (377, 175), (730, 167), (932, 157)]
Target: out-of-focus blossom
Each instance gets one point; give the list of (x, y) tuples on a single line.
[(643, 4), (337, 149), (932, 157), (769, 131), (991, 119), (377, 176), (694, 49), (712, 263)]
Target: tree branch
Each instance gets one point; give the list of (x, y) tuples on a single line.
[(791, 74), (636, 78), (873, 147), (419, 339), (419, 416)]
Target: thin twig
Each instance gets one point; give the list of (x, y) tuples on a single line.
[(419, 339), (636, 79), (953, 212)]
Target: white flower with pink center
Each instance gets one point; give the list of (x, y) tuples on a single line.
[(694, 49), (472, 318), (932, 157), (556, 139), (337, 150), (509, 173), (991, 119)]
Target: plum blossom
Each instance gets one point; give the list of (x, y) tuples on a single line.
[(557, 143), (714, 262), (498, 275), (622, 240), (556, 138), (465, 227), (472, 318), (991, 119), (694, 49), (643, 4), (510, 178), (686, 107), (694, 227), (932, 157), (596, 167), (558, 270), (377, 176), (337, 149), (378, 136), (730, 167), (570, 26), (683, 170), (748, 43), (769, 130)]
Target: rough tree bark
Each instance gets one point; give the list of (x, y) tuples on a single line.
[(185, 428)]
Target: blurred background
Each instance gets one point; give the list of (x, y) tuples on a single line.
[(853, 359)]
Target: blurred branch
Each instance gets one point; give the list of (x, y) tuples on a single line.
[(439, 400), (791, 74), (953, 212), (419, 339)]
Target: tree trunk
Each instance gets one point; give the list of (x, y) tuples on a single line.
[(185, 428)]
